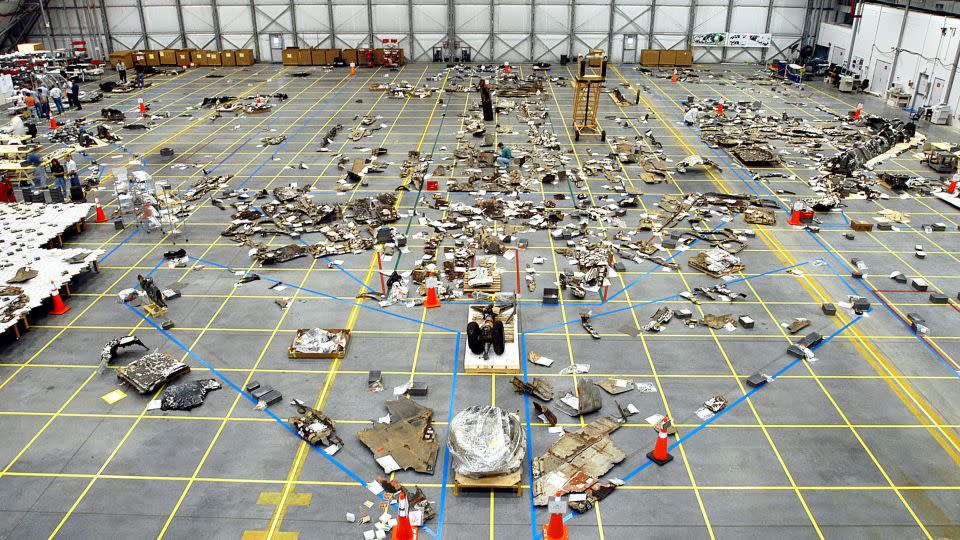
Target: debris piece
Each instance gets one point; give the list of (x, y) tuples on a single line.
[(535, 358), (187, 395), (407, 442), (109, 351), (615, 386), (536, 386), (149, 372), (314, 427)]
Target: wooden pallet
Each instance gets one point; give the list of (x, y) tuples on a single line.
[(490, 289), (506, 363), (507, 481)]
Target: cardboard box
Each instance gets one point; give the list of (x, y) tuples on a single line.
[(244, 57), (291, 56), (349, 55), (305, 57), (183, 57), (650, 57), (29, 47), (318, 57), (228, 58), (168, 57), (685, 57), (126, 56), (668, 58), (330, 55), (152, 58), (213, 59)]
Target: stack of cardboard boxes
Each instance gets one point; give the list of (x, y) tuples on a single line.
[(658, 57), (183, 57), (325, 57)]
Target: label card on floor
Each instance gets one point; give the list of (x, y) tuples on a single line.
[(113, 397)]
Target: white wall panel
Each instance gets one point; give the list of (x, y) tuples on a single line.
[(473, 18)]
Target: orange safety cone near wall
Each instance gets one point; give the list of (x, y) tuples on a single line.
[(403, 529), (353, 69), (660, 456), (674, 78), (795, 214), (856, 114), (101, 217), (53, 122), (142, 106), (720, 108), (59, 308), (432, 300), (556, 529)]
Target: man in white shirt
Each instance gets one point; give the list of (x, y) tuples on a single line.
[(71, 170), (691, 116), (56, 94)]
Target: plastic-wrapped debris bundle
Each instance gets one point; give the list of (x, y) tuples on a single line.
[(185, 396), (318, 340), (486, 441)]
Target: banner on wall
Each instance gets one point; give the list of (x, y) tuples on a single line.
[(731, 39)]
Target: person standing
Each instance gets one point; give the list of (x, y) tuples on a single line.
[(72, 171), (39, 173), (74, 94), (59, 175), (43, 96), (122, 71), (32, 104), (138, 67), (56, 94)]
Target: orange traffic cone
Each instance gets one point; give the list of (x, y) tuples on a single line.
[(353, 69), (101, 217), (856, 114), (952, 189), (674, 78), (720, 109), (795, 214), (403, 530), (59, 308), (142, 105), (53, 122), (556, 529), (660, 456), (432, 300), (506, 68)]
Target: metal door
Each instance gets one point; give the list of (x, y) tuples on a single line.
[(936, 91), (837, 55), (276, 48), (629, 49), (880, 77)]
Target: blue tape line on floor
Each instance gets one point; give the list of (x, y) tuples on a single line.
[(124, 241), (526, 409), (330, 296), (446, 451), (253, 400)]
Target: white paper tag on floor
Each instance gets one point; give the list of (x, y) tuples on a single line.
[(652, 420), (646, 388), (704, 413), (375, 488)]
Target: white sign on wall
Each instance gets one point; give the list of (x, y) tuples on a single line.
[(731, 39)]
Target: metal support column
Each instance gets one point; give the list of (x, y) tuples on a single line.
[(217, 37), (180, 27), (143, 25), (766, 27), (106, 29), (726, 28), (253, 25), (293, 23), (896, 51), (369, 23), (853, 35), (953, 74), (411, 39), (691, 20), (613, 10), (333, 27), (491, 38), (571, 26), (451, 27), (653, 14), (533, 26)]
